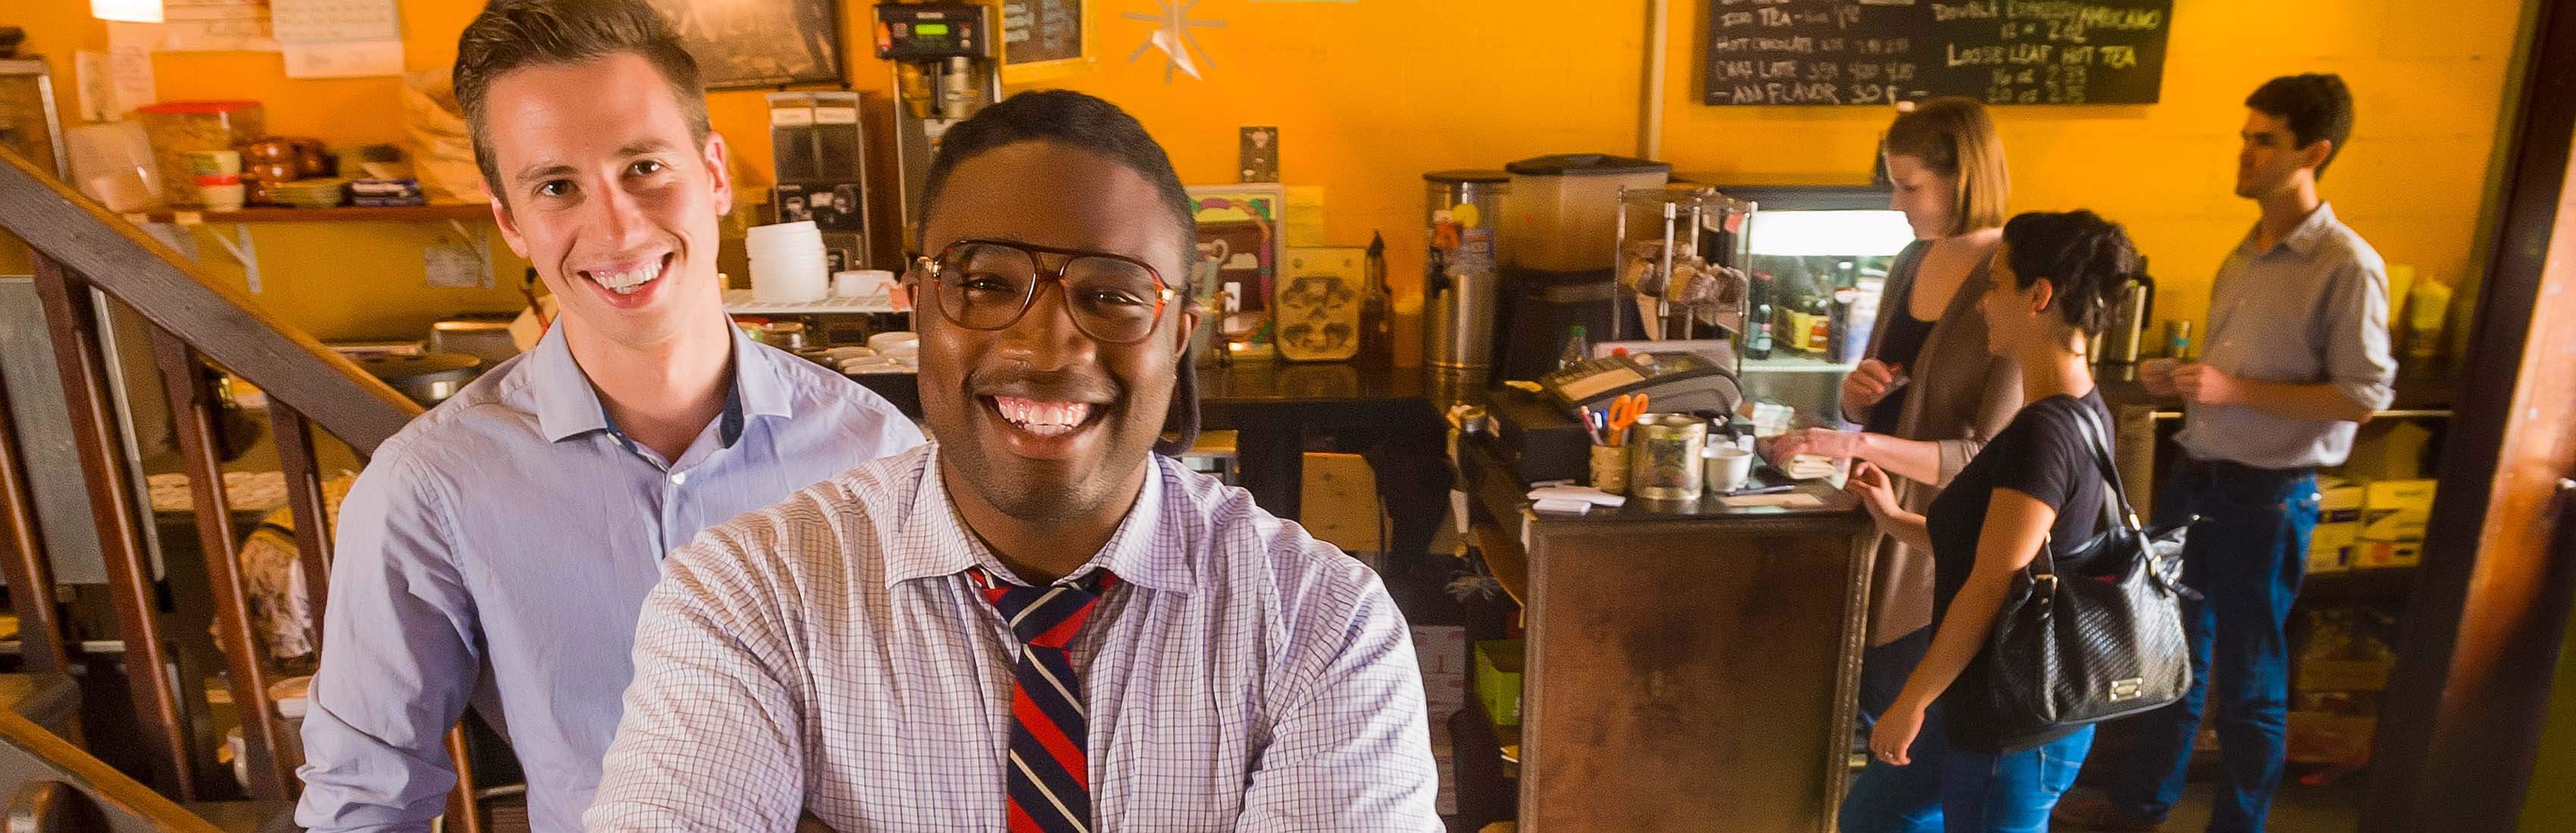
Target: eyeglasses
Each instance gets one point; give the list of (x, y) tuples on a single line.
[(990, 284)]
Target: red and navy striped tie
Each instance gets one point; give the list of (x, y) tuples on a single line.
[(1050, 783)]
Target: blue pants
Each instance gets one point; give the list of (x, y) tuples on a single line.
[(1896, 799), (2013, 793), (2246, 555)]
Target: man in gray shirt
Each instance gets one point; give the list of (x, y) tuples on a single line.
[(2297, 357)]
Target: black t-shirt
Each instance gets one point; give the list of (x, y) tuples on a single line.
[(2045, 454), (1904, 343)]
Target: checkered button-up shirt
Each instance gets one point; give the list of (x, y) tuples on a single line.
[(830, 655)]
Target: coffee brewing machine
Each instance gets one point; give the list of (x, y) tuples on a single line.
[(946, 67)]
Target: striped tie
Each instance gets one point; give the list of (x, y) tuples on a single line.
[(1050, 785)]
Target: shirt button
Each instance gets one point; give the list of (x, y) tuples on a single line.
[(679, 477)]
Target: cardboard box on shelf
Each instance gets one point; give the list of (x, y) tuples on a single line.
[(2393, 515), (2389, 450), (2331, 544)]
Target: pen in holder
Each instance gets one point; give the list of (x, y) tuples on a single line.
[(1610, 468)]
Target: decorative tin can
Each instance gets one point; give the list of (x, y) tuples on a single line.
[(1664, 456)]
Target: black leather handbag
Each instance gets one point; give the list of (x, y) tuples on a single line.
[(2070, 649)]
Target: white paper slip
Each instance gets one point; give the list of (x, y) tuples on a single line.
[(1584, 494), (1567, 507), (1789, 500)]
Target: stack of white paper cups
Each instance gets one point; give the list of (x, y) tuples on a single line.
[(787, 264)]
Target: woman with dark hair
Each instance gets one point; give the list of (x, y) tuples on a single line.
[(2036, 484), (1945, 167)]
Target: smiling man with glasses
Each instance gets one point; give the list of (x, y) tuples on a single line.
[(1035, 623)]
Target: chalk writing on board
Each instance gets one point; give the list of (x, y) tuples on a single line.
[(1041, 30), (1883, 51)]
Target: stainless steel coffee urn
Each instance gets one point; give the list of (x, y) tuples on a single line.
[(1460, 284)]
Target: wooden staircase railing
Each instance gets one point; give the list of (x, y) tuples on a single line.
[(81, 252), (61, 788)]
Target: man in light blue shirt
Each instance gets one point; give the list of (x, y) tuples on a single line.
[(2297, 358), (496, 551)]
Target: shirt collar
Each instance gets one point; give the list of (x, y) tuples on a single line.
[(1148, 549), (2302, 239), (567, 406)]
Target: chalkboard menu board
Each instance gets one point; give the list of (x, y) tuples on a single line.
[(1884, 51), (1035, 31)]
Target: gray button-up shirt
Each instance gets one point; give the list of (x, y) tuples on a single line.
[(496, 551), (2313, 309)]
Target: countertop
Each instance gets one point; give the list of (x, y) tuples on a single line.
[(2420, 386)]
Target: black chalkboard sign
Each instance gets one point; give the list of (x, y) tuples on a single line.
[(1884, 51), (1035, 31)]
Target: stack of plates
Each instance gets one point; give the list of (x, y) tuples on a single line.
[(308, 193)]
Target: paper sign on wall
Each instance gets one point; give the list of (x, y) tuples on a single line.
[(355, 59), (339, 38), (216, 26), (319, 21)]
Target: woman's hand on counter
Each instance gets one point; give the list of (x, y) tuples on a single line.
[(1822, 442), (1865, 385), (1870, 485)]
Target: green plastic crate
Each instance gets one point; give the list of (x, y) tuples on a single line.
[(1498, 679)]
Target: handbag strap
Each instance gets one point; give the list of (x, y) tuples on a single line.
[(2098, 442)]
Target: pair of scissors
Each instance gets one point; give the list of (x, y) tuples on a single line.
[(1623, 413)]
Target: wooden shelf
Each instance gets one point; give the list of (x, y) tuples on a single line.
[(344, 214)]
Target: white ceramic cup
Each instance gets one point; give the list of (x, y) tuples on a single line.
[(1728, 467)]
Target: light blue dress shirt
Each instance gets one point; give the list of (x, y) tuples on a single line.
[(495, 552), (2313, 309)]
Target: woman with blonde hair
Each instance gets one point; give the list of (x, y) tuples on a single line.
[(1926, 397)]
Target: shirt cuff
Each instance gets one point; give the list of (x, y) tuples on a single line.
[(2372, 395)]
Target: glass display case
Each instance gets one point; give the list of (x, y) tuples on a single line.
[(1818, 257)]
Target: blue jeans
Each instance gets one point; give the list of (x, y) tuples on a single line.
[(2013, 793), (1885, 798), (2246, 555)]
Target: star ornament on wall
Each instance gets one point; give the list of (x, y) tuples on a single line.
[(1172, 25)]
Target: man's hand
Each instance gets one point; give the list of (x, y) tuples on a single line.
[(1867, 384), (2204, 385), (2158, 376)]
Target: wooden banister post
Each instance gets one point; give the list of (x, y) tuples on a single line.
[(192, 405), (31, 576), (167, 738), (295, 457), (464, 811)]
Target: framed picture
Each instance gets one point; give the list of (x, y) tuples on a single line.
[(29, 124), (1045, 40), (760, 43), (1240, 246)]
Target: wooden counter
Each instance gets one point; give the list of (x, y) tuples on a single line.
[(1689, 667)]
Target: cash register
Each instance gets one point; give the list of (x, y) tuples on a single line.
[(1539, 435)]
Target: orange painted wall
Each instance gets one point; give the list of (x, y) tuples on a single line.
[(1370, 94)]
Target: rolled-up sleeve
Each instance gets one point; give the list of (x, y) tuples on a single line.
[(1349, 749), (2358, 361), (403, 658), (711, 737)]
